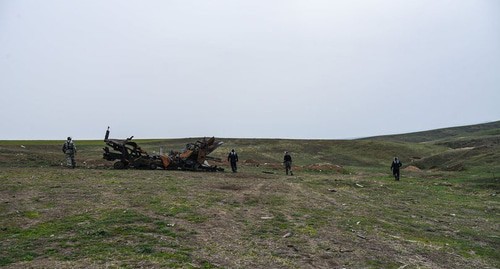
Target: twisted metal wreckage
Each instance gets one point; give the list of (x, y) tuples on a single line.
[(128, 154)]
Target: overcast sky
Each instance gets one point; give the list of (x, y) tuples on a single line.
[(258, 68)]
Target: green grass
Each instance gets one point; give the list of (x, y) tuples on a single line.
[(353, 217), (181, 219), (119, 233)]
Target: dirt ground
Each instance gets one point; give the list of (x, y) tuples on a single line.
[(318, 218)]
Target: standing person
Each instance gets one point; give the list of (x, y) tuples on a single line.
[(287, 160), (233, 158), (69, 149), (396, 164)]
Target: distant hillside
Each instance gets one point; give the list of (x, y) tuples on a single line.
[(468, 146), (453, 149), (469, 131)]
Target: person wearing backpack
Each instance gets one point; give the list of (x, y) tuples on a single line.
[(69, 149)]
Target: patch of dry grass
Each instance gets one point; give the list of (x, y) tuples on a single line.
[(55, 217)]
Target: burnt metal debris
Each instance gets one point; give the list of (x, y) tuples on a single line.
[(128, 154)]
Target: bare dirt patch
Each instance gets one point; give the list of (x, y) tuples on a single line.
[(324, 167), (412, 168)]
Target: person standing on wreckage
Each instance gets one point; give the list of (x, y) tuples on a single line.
[(69, 149)]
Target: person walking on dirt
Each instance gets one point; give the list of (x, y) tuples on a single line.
[(69, 149), (233, 158), (287, 160), (396, 164)]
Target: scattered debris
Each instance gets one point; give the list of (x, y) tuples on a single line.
[(395, 236), (332, 190), (361, 236), (22, 146), (267, 217), (268, 172), (359, 185), (287, 235)]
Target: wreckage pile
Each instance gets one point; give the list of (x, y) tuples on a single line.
[(128, 154)]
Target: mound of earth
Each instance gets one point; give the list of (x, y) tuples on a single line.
[(324, 167), (251, 162), (412, 168)]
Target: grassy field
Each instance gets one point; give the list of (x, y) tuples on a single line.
[(341, 209)]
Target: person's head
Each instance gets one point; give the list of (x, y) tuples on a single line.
[(395, 158), (232, 150), (69, 138)]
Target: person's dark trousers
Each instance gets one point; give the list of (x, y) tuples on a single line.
[(396, 174), (233, 167), (288, 167)]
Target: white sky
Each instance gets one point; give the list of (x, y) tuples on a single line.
[(259, 68)]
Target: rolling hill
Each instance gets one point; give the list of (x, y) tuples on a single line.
[(457, 148)]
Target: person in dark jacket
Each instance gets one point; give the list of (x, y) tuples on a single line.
[(69, 149), (233, 158), (287, 160), (396, 164)]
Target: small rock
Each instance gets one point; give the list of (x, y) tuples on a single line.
[(287, 235), (293, 247)]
